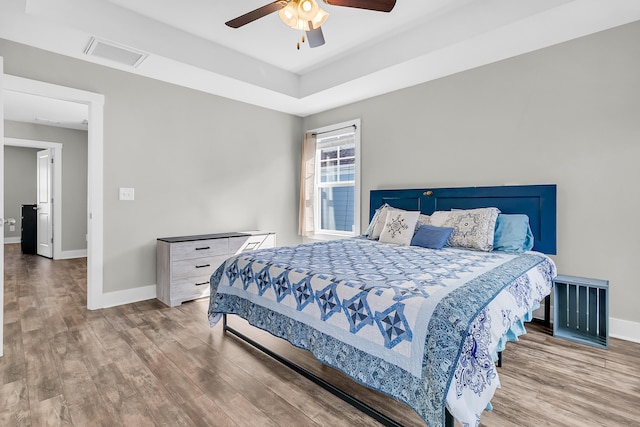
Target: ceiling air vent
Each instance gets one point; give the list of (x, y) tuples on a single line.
[(114, 52)]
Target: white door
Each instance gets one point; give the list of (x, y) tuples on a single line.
[(1, 211), (45, 203)]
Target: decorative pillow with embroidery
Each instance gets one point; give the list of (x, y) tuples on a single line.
[(472, 228), (377, 222), (423, 220), (399, 227)]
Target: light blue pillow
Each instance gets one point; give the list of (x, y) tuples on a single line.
[(513, 233), (374, 221), (429, 236)]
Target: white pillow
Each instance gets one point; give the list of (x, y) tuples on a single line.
[(438, 218), (399, 227), (423, 220), (372, 224), (380, 219)]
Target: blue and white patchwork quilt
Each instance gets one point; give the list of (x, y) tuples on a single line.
[(420, 325)]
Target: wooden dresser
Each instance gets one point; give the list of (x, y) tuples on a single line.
[(186, 263)]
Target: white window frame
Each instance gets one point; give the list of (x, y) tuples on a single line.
[(319, 232)]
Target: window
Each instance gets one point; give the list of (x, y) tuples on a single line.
[(337, 174)]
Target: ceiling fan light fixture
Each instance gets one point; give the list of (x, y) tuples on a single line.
[(289, 15), (307, 10), (303, 15), (303, 25), (319, 19)]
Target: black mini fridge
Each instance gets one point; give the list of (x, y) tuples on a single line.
[(29, 237)]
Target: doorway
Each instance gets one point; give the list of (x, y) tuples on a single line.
[(95, 103), (56, 149)]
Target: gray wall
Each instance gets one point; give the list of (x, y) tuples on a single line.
[(74, 176), (20, 184), (199, 163), (568, 114)]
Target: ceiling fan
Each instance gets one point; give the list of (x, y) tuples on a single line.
[(306, 15)]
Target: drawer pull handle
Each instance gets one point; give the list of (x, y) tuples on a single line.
[(203, 248), (203, 265), (203, 283)]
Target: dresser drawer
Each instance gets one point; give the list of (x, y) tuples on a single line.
[(190, 288), (196, 267), (199, 249)]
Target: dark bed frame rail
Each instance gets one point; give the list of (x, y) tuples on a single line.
[(356, 403)]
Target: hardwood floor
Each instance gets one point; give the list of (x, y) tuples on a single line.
[(145, 364)]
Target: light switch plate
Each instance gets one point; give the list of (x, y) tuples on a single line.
[(126, 193)]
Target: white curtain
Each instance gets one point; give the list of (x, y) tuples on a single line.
[(307, 184)]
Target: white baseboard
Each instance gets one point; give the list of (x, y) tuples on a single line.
[(80, 253), (8, 240), (128, 296), (624, 329)]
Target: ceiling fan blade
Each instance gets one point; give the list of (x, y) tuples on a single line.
[(315, 36), (377, 5), (256, 14)]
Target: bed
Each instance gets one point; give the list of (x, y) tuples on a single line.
[(419, 324)]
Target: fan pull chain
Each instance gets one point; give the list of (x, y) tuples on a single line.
[(302, 42)]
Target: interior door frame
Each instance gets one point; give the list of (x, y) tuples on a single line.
[(95, 178), (57, 185), (2, 210)]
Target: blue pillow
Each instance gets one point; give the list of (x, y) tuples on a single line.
[(374, 221), (513, 233), (431, 237)]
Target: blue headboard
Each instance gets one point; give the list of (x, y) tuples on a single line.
[(536, 201)]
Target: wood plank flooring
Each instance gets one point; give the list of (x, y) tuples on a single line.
[(145, 364)]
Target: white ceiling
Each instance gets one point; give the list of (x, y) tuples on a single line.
[(24, 107), (366, 53)]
